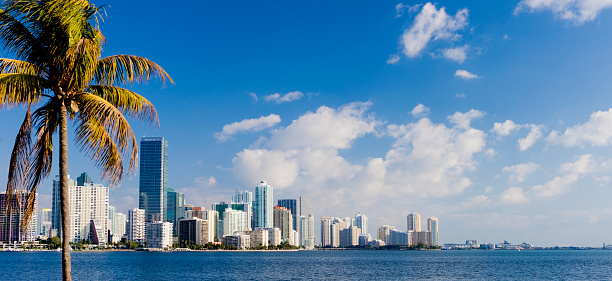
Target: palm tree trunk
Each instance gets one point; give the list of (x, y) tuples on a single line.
[(64, 196)]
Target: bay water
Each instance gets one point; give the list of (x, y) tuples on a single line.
[(314, 265)]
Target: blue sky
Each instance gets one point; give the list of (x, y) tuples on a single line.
[(494, 116)]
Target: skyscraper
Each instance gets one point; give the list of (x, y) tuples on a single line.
[(432, 227), (233, 221), (153, 178), (307, 236), (88, 209), (414, 222), (262, 209), (10, 223), (175, 208), (305, 206), (136, 225), (45, 222), (284, 221), (243, 197), (294, 206), (361, 221)]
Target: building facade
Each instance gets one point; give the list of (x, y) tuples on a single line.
[(175, 208), (361, 221), (432, 227), (158, 234), (88, 204), (153, 178), (262, 208), (414, 222), (234, 221), (10, 221), (293, 205), (283, 220), (45, 222), (307, 237), (136, 225)]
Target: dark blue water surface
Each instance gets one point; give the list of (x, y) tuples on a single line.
[(317, 265)]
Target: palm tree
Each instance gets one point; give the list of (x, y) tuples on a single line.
[(57, 46)]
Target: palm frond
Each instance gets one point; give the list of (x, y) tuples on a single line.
[(15, 36), (124, 69), (17, 66), (80, 63), (19, 163), (94, 109), (127, 102), (19, 89)]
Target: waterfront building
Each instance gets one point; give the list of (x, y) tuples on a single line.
[(293, 205), (136, 225), (284, 221), (349, 236), (194, 230), (243, 197), (361, 221), (421, 237), (241, 241), (364, 239), (240, 206), (274, 234), (175, 208), (384, 232), (414, 222), (233, 221), (432, 227), (120, 223), (112, 213), (10, 221), (330, 231), (307, 237), (88, 204), (212, 226), (398, 237), (262, 208), (45, 222), (153, 178), (259, 237), (158, 234)]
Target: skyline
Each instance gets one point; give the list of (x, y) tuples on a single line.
[(380, 108)]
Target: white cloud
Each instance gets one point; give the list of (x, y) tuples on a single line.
[(288, 97), (460, 95), (513, 195), (464, 74), (572, 170), (520, 171), (534, 135), (326, 128), (456, 54), (212, 181), (504, 129), (463, 120), (596, 132), (431, 24), (400, 8), (248, 125), (253, 95), (420, 111), (393, 59), (575, 11)]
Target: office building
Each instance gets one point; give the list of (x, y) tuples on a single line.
[(158, 234), (88, 210), (293, 205), (136, 225), (234, 221), (307, 237), (11, 220), (175, 208), (432, 227), (284, 221), (414, 222), (153, 178), (262, 208), (45, 222), (361, 221)]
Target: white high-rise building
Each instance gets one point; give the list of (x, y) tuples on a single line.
[(88, 204), (212, 217), (120, 221), (361, 221), (414, 222), (233, 221), (432, 227), (10, 223), (136, 225), (263, 206), (307, 238), (158, 234), (243, 197)]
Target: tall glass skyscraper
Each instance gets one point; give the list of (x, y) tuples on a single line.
[(262, 209), (153, 174), (175, 208)]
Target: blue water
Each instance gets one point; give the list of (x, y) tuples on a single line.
[(309, 265)]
